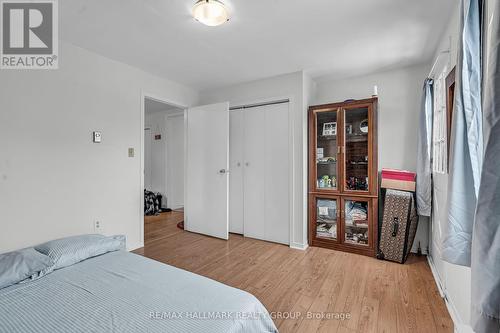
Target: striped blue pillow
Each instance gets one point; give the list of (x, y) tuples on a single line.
[(71, 250), (19, 265)]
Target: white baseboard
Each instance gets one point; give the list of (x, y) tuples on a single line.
[(460, 326), (297, 246), (436, 276), (133, 247)]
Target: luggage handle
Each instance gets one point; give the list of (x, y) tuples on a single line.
[(395, 226)]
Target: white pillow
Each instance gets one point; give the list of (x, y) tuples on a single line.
[(71, 250), (19, 265)]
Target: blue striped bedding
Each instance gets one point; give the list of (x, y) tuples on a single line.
[(124, 292)]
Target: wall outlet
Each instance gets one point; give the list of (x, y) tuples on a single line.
[(98, 227), (96, 137), (131, 152)]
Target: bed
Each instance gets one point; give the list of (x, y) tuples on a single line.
[(124, 292)]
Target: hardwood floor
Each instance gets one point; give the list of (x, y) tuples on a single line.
[(161, 226), (379, 296)]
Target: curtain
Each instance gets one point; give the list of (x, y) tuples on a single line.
[(486, 234), (424, 182), (466, 150)]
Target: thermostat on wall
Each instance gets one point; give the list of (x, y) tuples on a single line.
[(96, 137)]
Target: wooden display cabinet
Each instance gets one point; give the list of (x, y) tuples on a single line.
[(343, 169)]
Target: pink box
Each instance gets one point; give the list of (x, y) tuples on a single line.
[(403, 175)]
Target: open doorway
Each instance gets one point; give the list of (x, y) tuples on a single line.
[(163, 169)]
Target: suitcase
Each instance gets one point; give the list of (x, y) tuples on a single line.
[(399, 225)]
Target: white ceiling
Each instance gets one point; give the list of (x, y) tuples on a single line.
[(263, 38)]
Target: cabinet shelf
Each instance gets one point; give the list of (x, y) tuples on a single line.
[(325, 237), (355, 243), (331, 209), (327, 137), (359, 226), (327, 222)]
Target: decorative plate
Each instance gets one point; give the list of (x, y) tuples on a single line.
[(363, 126)]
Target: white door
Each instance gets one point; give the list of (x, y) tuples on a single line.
[(236, 135), (277, 160), (266, 178), (207, 159), (148, 174), (254, 173)]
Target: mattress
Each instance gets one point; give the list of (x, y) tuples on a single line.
[(124, 292)]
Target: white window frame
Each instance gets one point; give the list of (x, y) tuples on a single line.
[(439, 125)]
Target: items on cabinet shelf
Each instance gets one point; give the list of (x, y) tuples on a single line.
[(363, 126), (356, 222), (326, 218), (327, 210), (356, 211), (357, 238), (329, 129), (327, 182), (326, 230), (357, 184), (343, 172), (326, 160)]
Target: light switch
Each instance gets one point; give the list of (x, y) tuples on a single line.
[(131, 152), (96, 137)]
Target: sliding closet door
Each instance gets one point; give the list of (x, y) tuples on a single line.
[(267, 173), (254, 172), (277, 174), (236, 207)]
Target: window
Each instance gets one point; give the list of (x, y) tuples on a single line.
[(450, 101), (440, 125)]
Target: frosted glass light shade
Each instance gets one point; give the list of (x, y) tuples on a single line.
[(210, 12)]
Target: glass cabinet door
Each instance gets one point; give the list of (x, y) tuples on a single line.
[(326, 150), (326, 218), (356, 222), (356, 152)]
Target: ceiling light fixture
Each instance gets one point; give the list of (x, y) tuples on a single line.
[(210, 12)]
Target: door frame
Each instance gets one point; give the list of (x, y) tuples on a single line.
[(291, 155), (161, 99)]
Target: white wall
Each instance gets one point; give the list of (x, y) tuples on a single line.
[(158, 154), (278, 87), (167, 156), (175, 161), (455, 280), (399, 94), (54, 181)]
